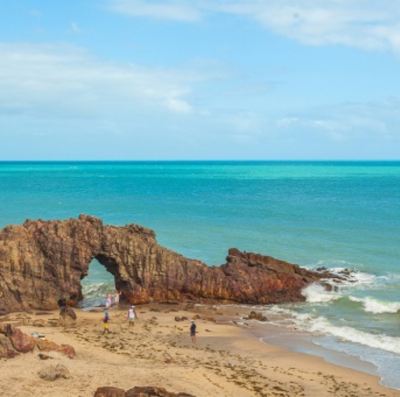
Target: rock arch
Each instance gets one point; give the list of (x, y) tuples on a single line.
[(40, 260)]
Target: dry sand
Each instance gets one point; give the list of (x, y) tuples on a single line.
[(227, 359)]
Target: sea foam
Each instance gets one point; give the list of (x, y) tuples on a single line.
[(316, 293), (380, 341), (377, 306)]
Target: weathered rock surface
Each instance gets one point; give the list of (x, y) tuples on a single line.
[(109, 391), (49, 346), (146, 391), (53, 372), (41, 260), (13, 341), (149, 391)]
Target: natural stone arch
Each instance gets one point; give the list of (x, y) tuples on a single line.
[(96, 285), (41, 260)]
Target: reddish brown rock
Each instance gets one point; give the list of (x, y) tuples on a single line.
[(14, 341), (6, 349), (21, 342), (109, 392), (48, 346), (149, 391), (41, 260)]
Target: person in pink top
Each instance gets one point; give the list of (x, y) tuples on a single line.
[(109, 300)]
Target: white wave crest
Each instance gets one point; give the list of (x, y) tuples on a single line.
[(376, 306), (384, 342), (316, 293), (98, 290)]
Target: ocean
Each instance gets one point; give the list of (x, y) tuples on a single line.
[(337, 215)]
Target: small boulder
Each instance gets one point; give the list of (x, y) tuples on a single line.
[(108, 391), (47, 346), (54, 372), (256, 316), (150, 391), (44, 356)]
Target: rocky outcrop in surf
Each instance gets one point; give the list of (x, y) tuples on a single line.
[(41, 260)]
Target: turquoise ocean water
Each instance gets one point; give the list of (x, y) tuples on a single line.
[(340, 215)]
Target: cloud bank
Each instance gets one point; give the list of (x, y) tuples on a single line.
[(355, 23), (35, 77)]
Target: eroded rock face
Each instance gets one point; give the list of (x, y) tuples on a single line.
[(41, 260)]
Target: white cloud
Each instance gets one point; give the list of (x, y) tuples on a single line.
[(34, 79), (364, 24), (171, 10), (358, 23)]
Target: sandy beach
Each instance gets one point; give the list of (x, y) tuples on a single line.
[(228, 359)]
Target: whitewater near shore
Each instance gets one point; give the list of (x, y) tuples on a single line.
[(228, 359)]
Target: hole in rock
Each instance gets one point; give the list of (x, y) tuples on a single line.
[(97, 285)]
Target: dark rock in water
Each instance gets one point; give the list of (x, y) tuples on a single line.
[(256, 316), (41, 260)]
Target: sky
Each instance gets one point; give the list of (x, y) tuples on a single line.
[(200, 80)]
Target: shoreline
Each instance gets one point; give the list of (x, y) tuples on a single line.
[(301, 342), (227, 360)]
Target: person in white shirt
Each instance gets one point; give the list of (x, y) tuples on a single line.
[(131, 316)]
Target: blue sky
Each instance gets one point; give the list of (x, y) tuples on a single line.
[(199, 79)]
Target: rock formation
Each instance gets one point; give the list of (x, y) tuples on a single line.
[(138, 391), (41, 260), (13, 342)]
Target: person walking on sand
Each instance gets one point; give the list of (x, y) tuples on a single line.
[(106, 319), (193, 331), (116, 298), (131, 316)]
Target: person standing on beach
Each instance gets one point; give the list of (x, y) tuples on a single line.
[(106, 319), (131, 316), (193, 331), (116, 298), (109, 300), (62, 304)]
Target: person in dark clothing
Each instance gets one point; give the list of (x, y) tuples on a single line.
[(62, 304), (193, 331)]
